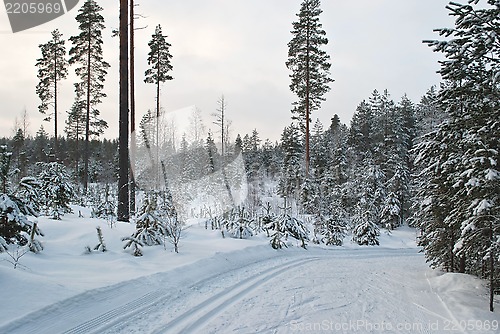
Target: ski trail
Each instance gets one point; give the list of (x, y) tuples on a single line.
[(452, 316), (95, 311), (115, 314), (199, 315), (137, 308), (55, 318)]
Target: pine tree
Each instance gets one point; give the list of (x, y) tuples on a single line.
[(75, 129), (92, 69), (159, 58), (52, 68), (56, 188), (123, 208), (309, 65)]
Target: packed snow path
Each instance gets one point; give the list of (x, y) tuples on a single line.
[(259, 290)]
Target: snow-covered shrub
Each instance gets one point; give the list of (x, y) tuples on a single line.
[(149, 226), (34, 245), (105, 207), (283, 227), (15, 227), (239, 224), (56, 189), (101, 246), (135, 244), (175, 229), (335, 231), (296, 229), (3, 245), (278, 238), (268, 219), (28, 193), (366, 233), (390, 217)]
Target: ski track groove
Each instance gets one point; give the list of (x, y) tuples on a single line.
[(121, 312), (452, 316), (199, 315), (187, 322), (138, 307), (119, 315)]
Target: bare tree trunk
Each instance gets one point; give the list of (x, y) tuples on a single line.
[(308, 91), (55, 105), (132, 110), (123, 195), (86, 153), (492, 270), (158, 124)]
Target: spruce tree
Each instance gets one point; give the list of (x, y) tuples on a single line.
[(56, 188), (75, 130), (91, 68), (52, 68), (15, 227), (291, 171), (466, 147), (309, 65)]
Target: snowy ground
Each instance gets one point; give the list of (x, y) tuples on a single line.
[(220, 285)]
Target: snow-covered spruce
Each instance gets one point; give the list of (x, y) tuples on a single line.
[(390, 217), (101, 246), (335, 231), (365, 232), (288, 226), (239, 224), (106, 207), (15, 227), (150, 229), (56, 189)]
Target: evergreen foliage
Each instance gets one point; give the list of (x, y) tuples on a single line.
[(56, 189), (91, 68), (459, 176), (239, 225), (159, 58), (365, 231), (52, 67), (15, 227), (309, 64), (150, 229)]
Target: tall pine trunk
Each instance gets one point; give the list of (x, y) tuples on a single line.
[(123, 175), (86, 152), (55, 104), (132, 110), (158, 123)]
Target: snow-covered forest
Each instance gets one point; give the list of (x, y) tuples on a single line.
[(402, 169)]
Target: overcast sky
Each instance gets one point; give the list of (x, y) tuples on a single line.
[(239, 48)]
